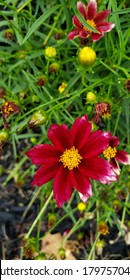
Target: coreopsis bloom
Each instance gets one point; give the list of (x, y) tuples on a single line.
[(62, 87), (72, 160), (114, 155), (94, 19)]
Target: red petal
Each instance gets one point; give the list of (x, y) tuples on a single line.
[(95, 36), (82, 9), (105, 26), (96, 144), (72, 34), (77, 23), (98, 169), (81, 127), (43, 153), (122, 157), (62, 186), (115, 165), (45, 173), (60, 136), (84, 198), (101, 16), (83, 34), (92, 9), (81, 182), (114, 141)]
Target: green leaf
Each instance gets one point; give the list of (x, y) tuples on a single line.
[(84, 22), (39, 21)]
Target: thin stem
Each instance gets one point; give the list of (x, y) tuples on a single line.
[(39, 215), (93, 247)]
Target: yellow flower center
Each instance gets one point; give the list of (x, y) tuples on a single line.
[(71, 158), (7, 108), (110, 152), (91, 23)]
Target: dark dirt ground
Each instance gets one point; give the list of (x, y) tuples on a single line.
[(13, 202)]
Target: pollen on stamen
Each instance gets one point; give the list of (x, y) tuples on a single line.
[(110, 152), (70, 158)]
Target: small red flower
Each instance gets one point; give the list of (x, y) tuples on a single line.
[(72, 159), (114, 155), (94, 19)]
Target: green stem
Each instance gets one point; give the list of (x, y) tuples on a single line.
[(93, 247), (52, 28), (74, 228), (39, 215)]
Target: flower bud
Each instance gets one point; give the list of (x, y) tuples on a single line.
[(37, 119), (42, 80), (50, 52), (100, 244), (91, 97), (41, 256), (9, 34), (59, 35), (87, 57), (21, 54), (54, 67), (51, 219), (116, 205), (81, 206), (127, 85), (4, 136), (62, 253)]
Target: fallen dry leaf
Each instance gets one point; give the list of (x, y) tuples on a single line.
[(51, 244)]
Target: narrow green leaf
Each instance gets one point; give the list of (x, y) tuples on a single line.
[(84, 22), (39, 21)]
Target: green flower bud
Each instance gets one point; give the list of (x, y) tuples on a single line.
[(42, 80), (9, 34), (54, 67), (37, 119), (4, 136), (62, 253), (41, 256)]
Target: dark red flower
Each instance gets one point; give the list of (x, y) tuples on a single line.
[(94, 19), (114, 155), (71, 159)]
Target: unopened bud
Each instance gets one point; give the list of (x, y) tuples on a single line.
[(50, 52), (41, 256), (54, 67), (9, 34), (62, 253), (91, 97), (100, 244), (37, 119), (42, 80), (4, 136), (87, 57)]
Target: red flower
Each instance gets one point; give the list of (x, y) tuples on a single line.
[(114, 155), (94, 19), (72, 158)]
